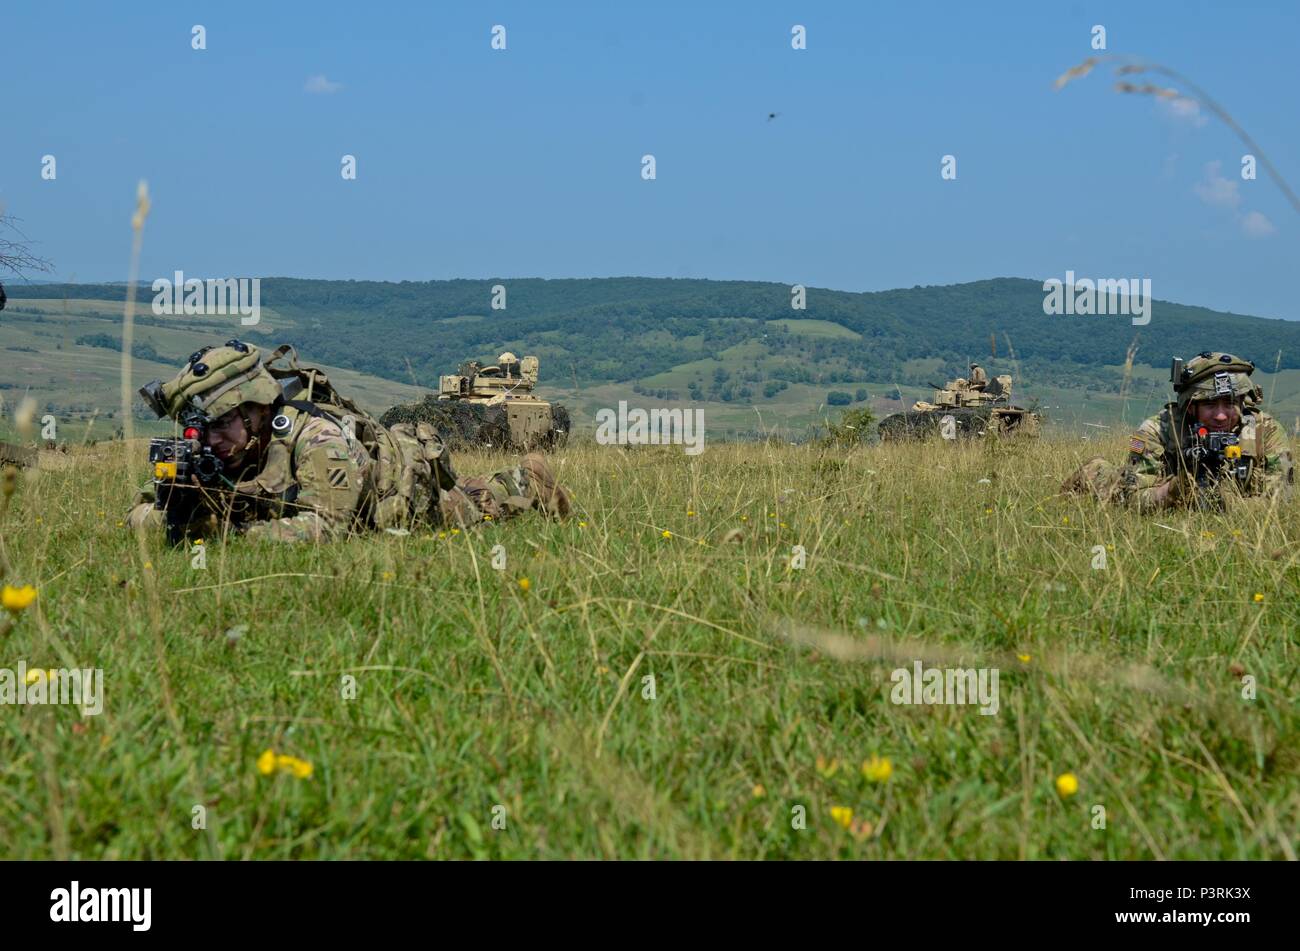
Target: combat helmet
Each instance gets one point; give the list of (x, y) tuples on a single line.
[(1210, 375), (213, 382)]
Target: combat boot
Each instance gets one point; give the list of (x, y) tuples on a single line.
[(542, 488)]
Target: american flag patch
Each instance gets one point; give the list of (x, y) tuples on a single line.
[(1137, 445)]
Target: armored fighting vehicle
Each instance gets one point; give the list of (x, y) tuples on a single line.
[(17, 455), (489, 407), (962, 411)]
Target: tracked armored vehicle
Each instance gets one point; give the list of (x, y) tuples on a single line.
[(491, 407), (962, 411)]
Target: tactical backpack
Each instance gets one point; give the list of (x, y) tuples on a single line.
[(411, 461)]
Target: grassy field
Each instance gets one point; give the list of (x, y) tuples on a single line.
[(520, 694)]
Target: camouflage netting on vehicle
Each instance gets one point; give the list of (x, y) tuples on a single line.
[(560, 423), (464, 424), (968, 422), (461, 425)]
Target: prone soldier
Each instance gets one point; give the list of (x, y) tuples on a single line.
[(253, 460), (1212, 443)]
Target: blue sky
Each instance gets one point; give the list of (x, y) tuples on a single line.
[(526, 162)]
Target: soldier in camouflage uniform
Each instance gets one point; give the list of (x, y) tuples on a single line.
[(294, 471), (1215, 395), (978, 378)]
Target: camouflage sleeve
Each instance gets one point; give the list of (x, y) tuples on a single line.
[(1279, 468), (142, 507), (145, 494), (329, 482), (145, 514), (202, 519), (1145, 473)]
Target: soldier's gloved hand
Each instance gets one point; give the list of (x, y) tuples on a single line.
[(1160, 496), (1180, 490)]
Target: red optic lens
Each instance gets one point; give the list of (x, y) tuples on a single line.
[(191, 433), (1202, 431)]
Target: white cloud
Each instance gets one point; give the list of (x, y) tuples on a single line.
[(1220, 192), (1256, 225), (319, 84), (1182, 109), (1216, 190)]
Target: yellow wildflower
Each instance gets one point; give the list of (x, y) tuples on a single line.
[(1067, 784), (291, 764), (524, 585), (1258, 597), (269, 762), (877, 769), (17, 599), (665, 534), (842, 815)]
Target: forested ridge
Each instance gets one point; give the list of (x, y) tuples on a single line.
[(627, 329)]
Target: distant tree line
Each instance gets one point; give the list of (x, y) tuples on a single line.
[(141, 351), (624, 330)]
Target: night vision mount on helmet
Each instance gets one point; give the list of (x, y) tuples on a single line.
[(1211, 375)]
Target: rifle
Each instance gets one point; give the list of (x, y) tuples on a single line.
[(1213, 458), (183, 467)]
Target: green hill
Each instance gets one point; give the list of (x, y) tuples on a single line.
[(736, 347), (66, 354)]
